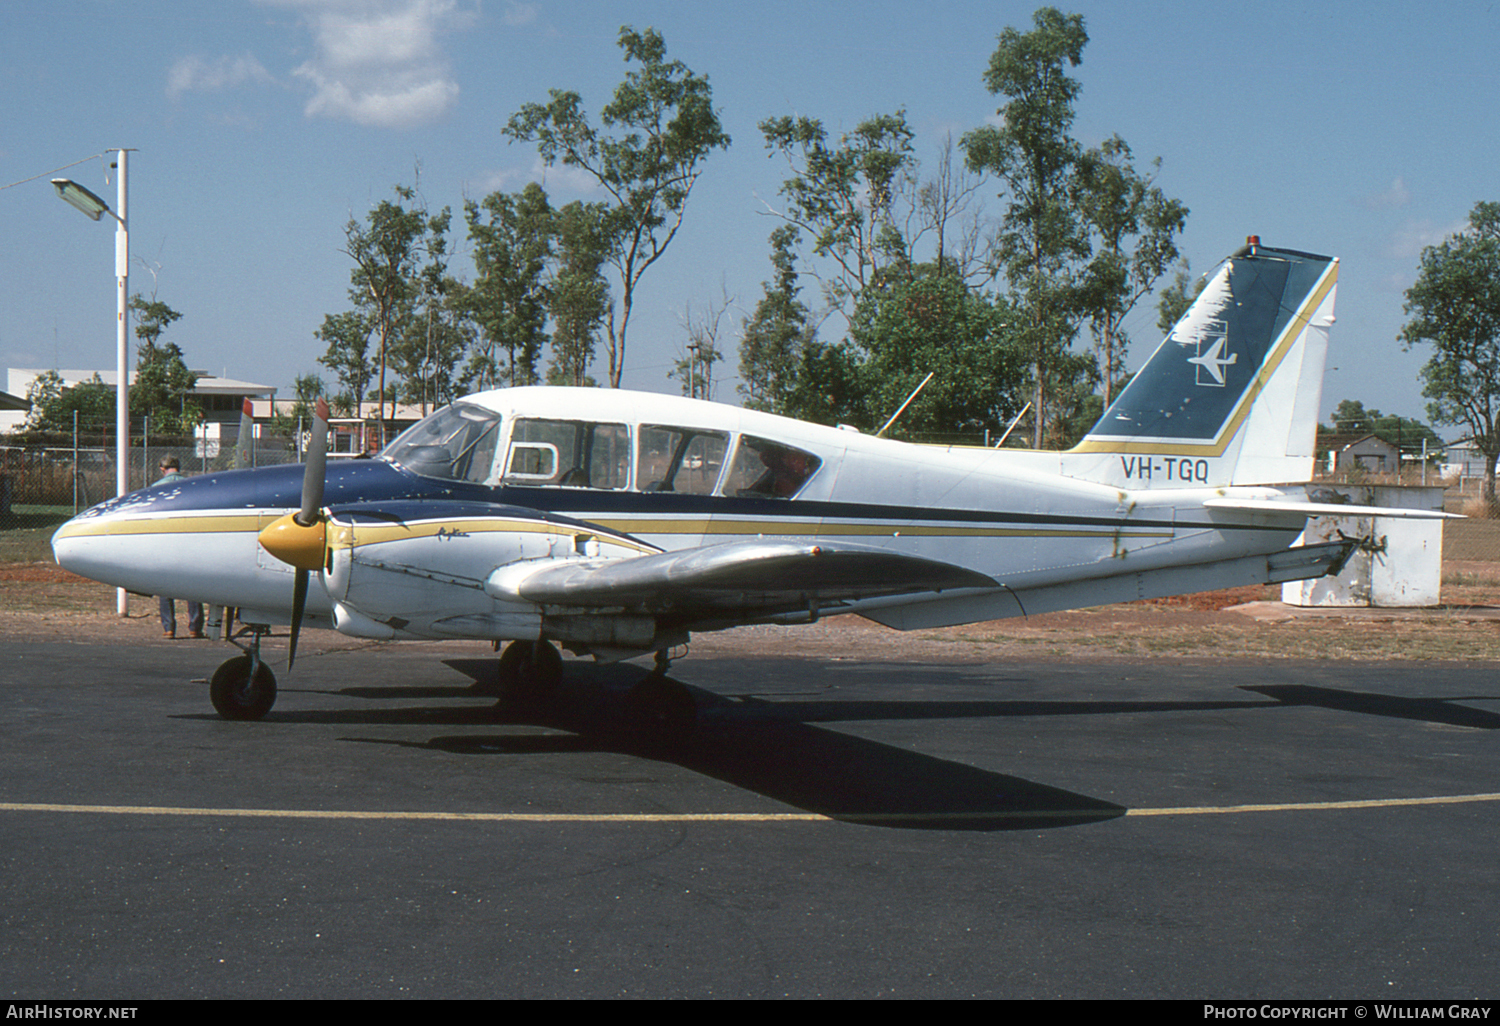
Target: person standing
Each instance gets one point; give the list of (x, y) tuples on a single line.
[(171, 471)]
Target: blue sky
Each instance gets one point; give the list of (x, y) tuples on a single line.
[(1362, 130)]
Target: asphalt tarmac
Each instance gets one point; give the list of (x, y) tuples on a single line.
[(837, 828)]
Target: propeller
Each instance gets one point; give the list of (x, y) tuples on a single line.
[(301, 538), (247, 432)]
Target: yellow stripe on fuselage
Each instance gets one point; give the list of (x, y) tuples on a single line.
[(344, 536), (196, 523), (835, 529)]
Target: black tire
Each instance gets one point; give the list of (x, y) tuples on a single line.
[(529, 671), (541, 674), (236, 696)]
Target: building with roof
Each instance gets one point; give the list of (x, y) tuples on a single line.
[(219, 398)]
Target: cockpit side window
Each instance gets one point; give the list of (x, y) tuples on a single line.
[(569, 454), (768, 469), (456, 443), (679, 459)]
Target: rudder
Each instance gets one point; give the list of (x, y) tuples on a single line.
[(1231, 395)]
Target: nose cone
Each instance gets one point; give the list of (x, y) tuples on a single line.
[(296, 544)]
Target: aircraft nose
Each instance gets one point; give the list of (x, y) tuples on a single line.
[(81, 546)]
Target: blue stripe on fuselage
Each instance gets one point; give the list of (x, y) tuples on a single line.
[(375, 481)]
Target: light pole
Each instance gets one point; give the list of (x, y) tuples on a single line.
[(92, 206)]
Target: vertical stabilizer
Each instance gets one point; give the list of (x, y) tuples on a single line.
[(1231, 395)]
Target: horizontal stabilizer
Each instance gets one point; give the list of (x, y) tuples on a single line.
[(1302, 562), (1328, 509)]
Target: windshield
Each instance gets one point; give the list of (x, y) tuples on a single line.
[(456, 443)]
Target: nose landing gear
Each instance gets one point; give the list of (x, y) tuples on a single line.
[(244, 688)]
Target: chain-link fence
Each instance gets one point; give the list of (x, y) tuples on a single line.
[(44, 479)]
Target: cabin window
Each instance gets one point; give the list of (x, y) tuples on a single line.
[(768, 469), (678, 459), (456, 443), (569, 454)]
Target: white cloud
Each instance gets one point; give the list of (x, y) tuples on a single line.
[(519, 14), (379, 62), (1414, 236), (195, 74), (1395, 197), (559, 179)]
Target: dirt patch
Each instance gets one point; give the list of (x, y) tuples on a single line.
[(42, 601), (37, 572)]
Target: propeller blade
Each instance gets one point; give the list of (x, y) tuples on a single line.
[(317, 459), (247, 432), (307, 529), (299, 604)]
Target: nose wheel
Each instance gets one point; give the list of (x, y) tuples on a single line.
[(242, 691), (243, 688)]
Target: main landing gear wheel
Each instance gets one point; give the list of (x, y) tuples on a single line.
[(238, 694), (530, 670), (662, 710)]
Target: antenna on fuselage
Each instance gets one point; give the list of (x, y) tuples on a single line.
[(906, 404)]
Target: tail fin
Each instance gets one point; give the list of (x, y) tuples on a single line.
[(1231, 396)]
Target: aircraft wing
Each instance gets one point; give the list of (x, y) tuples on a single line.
[(763, 575)]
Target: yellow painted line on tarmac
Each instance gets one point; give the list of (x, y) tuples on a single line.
[(505, 817), (1372, 803), (740, 817)]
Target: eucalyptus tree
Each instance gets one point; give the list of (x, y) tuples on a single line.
[(578, 293), (1135, 228), (163, 382), (347, 337), (931, 323), (774, 336), (842, 194), (1455, 307), (513, 238), (1043, 238), (647, 153), (389, 252)]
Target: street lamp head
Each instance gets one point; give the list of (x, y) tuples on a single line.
[(77, 196)]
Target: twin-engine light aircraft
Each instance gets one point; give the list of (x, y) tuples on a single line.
[(616, 524)]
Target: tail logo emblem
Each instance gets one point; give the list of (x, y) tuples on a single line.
[(1210, 364)]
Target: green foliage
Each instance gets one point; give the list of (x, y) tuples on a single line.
[(309, 388), (347, 336), (1043, 236), (152, 318), (399, 255), (512, 237), (162, 379), (1177, 297), (579, 295), (1135, 227), (657, 131), (1455, 307), (1351, 417), (161, 389), (842, 194), (933, 324), (53, 404), (775, 336)]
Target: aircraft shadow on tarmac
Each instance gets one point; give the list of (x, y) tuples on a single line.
[(1428, 710), (772, 747), (765, 747)]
